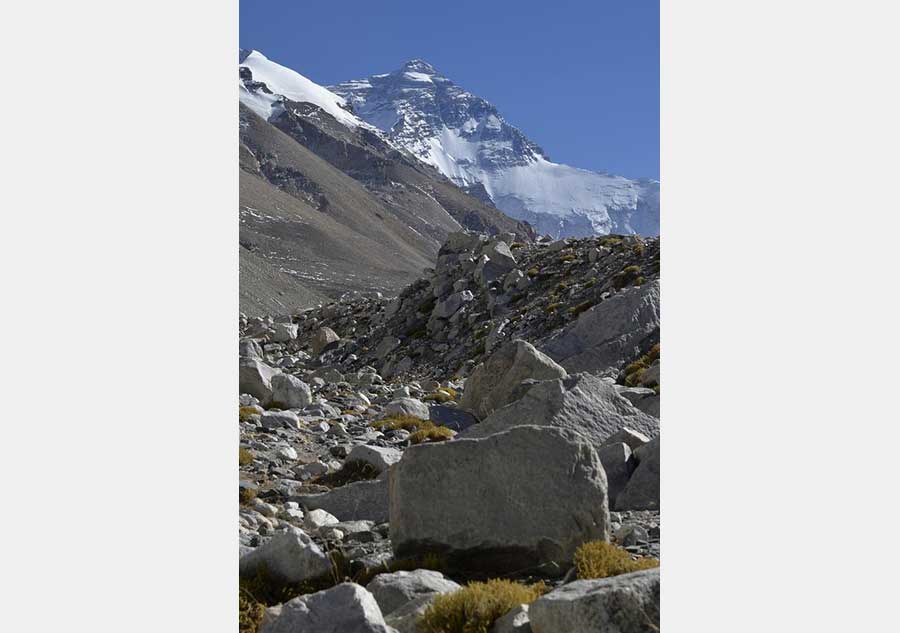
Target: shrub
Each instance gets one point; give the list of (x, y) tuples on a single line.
[(638, 249), (444, 394), (244, 457), (590, 283), (628, 275), (431, 433), (400, 421), (581, 307), (244, 413), (568, 258), (533, 272), (599, 559), (246, 495), (552, 307), (610, 241), (250, 612), (562, 286), (475, 608)]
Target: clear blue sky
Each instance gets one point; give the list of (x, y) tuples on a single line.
[(581, 79)]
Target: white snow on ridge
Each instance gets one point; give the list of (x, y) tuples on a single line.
[(284, 81)]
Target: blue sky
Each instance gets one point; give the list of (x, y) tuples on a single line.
[(581, 79)]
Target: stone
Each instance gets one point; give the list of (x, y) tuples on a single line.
[(250, 348), (345, 608), (323, 337), (492, 383), (628, 603), (352, 502), (255, 378), (407, 406), (380, 457), (619, 464), (515, 621), (284, 332), (316, 519), (612, 333), (582, 402), (289, 557), (451, 416), (406, 618), (627, 436), (525, 498), (290, 391), (279, 420), (392, 591), (642, 490), (387, 345), (448, 307)]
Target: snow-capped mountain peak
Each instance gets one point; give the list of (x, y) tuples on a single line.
[(466, 138)]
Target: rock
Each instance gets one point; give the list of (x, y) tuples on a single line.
[(642, 490), (358, 500), (621, 604), (612, 333), (406, 618), (515, 621), (387, 345), (519, 499), (492, 382), (284, 332), (316, 519), (250, 348), (582, 402), (346, 608), (619, 464), (279, 420), (289, 557), (451, 416), (323, 337), (627, 436), (380, 457), (650, 376), (448, 307), (407, 406), (255, 378), (392, 591), (290, 391)]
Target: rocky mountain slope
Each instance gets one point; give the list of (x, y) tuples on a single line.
[(467, 139), (498, 419), (327, 200)]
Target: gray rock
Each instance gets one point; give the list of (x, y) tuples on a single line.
[(515, 621), (448, 307), (290, 391), (619, 464), (621, 604), (642, 490), (359, 500), (288, 557), (582, 402), (279, 420), (250, 348), (451, 416), (392, 591), (406, 618), (492, 383), (387, 345), (612, 333), (284, 332), (627, 436), (407, 406), (316, 519), (346, 608), (255, 378), (380, 457), (514, 500), (323, 337)]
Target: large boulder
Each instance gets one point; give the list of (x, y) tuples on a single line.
[(612, 333), (353, 502), (284, 332), (582, 402), (642, 490), (323, 337), (493, 382), (620, 604), (289, 557), (394, 590), (290, 392), (346, 608), (520, 499), (255, 378)]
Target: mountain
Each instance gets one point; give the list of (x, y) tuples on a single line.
[(328, 200), (467, 139)]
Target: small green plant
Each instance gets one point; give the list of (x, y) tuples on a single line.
[(634, 372), (610, 241), (599, 559), (442, 395), (533, 272), (246, 495), (581, 307), (638, 249), (245, 457), (552, 307), (562, 286), (590, 283), (627, 277), (250, 612), (399, 421), (475, 608), (568, 258)]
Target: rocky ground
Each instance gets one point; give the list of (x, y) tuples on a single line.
[(485, 423)]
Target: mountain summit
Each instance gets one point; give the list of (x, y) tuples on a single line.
[(466, 138)]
